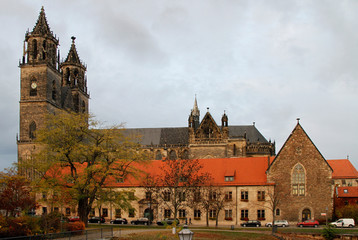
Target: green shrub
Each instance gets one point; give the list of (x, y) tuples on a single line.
[(329, 232)]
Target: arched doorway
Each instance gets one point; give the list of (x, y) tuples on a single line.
[(148, 213), (306, 214)]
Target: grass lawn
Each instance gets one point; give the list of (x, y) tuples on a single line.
[(200, 235)]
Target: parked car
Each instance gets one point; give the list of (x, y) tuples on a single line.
[(251, 223), (278, 223), (343, 222), (168, 221), (308, 223), (74, 219), (119, 221), (143, 221), (96, 220)]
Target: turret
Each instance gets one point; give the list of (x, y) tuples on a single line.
[(74, 79), (40, 45), (194, 118)]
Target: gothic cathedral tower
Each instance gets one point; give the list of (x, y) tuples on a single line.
[(46, 85)]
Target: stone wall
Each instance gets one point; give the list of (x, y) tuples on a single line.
[(318, 188)]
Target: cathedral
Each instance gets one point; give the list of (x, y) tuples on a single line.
[(49, 85), (240, 158)]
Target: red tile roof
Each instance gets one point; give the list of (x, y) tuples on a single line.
[(248, 171), (342, 168), (347, 191)]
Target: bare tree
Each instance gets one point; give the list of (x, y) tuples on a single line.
[(176, 182), (274, 197), (213, 198)]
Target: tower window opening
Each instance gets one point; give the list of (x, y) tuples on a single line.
[(32, 130), (34, 49)]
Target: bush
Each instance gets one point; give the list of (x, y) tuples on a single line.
[(329, 233), (51, 223), (76, 226), (21, 226)]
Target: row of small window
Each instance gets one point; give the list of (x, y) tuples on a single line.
[(245, 196), (182, 196), (172, 155), (197, 213), (260, 214)]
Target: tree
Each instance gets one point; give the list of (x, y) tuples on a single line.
[(77, 157), (176, 182), (274, 197), (212, 198), (15, 194)]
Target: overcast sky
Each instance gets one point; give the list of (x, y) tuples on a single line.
[(267, 62)]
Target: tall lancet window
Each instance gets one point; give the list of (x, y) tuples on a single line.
[(298, 180)]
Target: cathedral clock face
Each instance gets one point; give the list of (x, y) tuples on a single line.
[(33, 85)]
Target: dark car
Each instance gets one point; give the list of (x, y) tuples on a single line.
[(308, 223), (168, 221), (96, 220), (251, 223), (119, 221), (143, 221), (74, 219)]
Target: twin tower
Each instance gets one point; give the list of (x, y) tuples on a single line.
[(49, 85)]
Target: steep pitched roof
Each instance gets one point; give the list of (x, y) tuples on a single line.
[(72, 56), (250, 131), (42, 27), (180, 135), (347, 192), (342, 168), (297, 128)]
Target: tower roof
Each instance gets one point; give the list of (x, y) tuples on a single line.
[(72, 56), (42, 27), (195, 111)]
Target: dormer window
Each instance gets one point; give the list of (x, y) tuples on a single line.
[(230, 176)]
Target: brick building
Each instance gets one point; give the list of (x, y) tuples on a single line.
[(239, 154)]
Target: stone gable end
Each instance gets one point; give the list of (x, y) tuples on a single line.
[(317, 197)]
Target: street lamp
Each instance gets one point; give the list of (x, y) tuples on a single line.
[(185, 234)]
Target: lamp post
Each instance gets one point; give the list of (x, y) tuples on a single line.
[(185, 234)]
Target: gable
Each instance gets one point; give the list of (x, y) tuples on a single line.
[(299, 148), (208, 128)]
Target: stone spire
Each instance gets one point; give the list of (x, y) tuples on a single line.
[(42, 28), (194, 118), (195, 111), (72, 56)]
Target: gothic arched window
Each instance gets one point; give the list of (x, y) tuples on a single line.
[(34, 49), (298, 180), (158, 155), (83, 106), (32, 130), (185, 154), (172, 155), (54, 94), (67, 76)]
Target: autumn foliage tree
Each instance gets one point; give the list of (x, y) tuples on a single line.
[(176, 182), (15, 193), (76, 156)]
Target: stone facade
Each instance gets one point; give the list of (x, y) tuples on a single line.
[(47, 85), (303, 178)]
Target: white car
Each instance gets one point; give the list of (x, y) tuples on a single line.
[(343, 222), (278, 223)]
